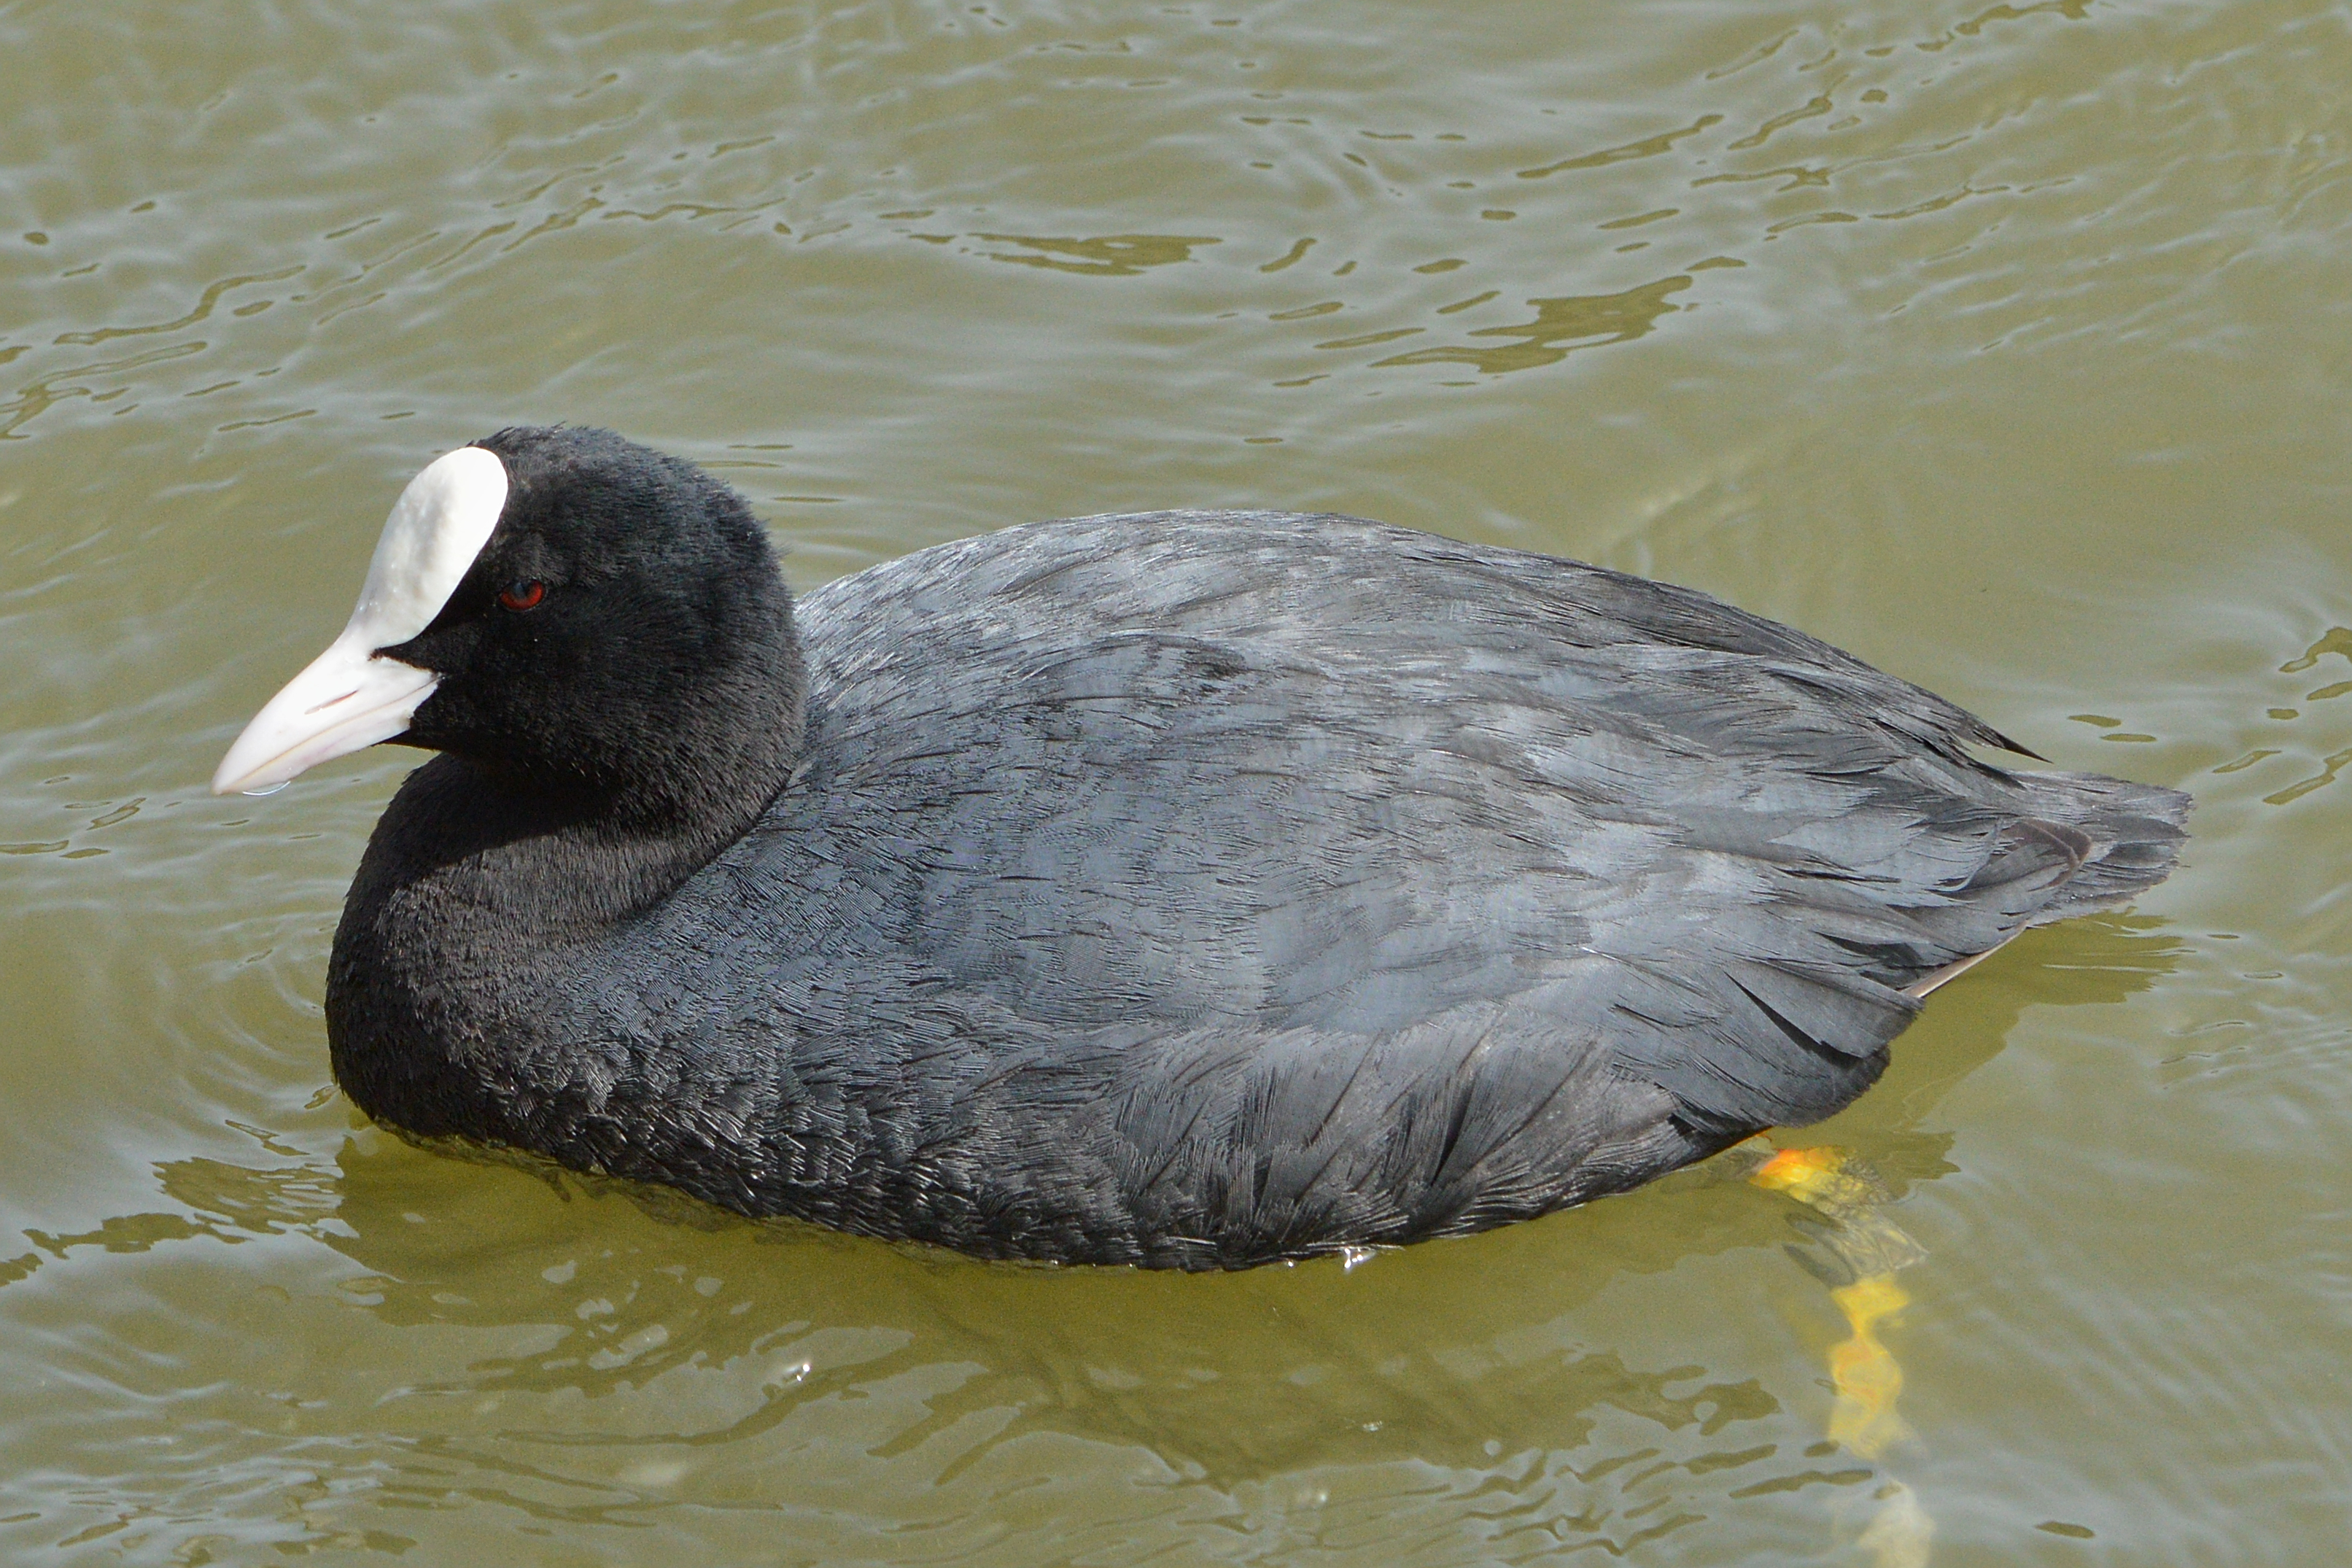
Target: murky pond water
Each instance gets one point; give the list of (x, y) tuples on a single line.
[(2008, 346)]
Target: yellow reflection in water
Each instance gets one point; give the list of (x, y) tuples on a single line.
[(1869, 1247), (1866, 1374)]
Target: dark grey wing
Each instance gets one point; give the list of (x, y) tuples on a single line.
[(1347, 882)]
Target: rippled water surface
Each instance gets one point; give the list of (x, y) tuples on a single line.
[(2008, 346)]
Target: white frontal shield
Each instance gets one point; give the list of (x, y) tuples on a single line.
[(348, 697)]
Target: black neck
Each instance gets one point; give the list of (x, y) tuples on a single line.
[(485, 890)]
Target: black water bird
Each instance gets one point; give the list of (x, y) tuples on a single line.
[(1187, 890)]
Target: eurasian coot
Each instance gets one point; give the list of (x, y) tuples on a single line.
[(1188, 888)]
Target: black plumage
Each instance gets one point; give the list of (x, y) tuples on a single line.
[(1190, 888)]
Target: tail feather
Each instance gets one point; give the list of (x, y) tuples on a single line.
[(2134, 832)]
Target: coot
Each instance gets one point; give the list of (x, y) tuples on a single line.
[(1188, 889)]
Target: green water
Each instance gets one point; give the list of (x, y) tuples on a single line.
[(2008, 346)]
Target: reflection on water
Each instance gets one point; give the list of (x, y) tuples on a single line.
[(621, 1361), (1112, 256), (1560, 326), (2339, 640)]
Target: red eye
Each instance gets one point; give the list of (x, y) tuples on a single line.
[(522, 595)]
